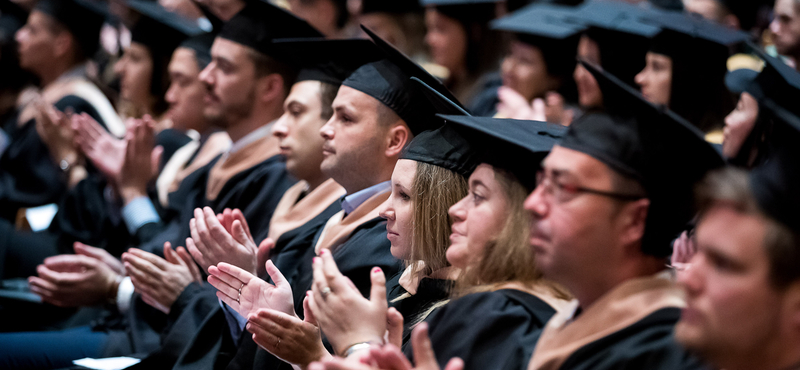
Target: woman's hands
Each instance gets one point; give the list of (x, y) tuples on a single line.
[(344, 315), (287, 337)]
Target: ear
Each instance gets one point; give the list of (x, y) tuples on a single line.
[(397, 136), (63, 44), (270, 88), (633, 218)]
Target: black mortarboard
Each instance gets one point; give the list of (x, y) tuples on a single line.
[(688, 34), (389, 81), (777, 82), (201, 45), (81, 17), (159, 29), (516, 146), (329, 61), (651, 144), (443, 147), (259, 23), (546, 27), (774, 183), (392, 6)]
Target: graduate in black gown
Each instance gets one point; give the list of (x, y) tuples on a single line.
[(356, 241), (36, 170), (627, 304), (427, 180)]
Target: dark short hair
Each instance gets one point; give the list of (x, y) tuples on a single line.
[(267, 65), (731, 186), (327, 93)]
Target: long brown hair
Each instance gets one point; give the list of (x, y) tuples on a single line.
[(435, 190), (508, 258)]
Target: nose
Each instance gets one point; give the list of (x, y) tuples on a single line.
[(170, 96), (536, 205), (640, 77), (327, 129), (458, 211), (206, 75), (690, 278), (281, 129), (387, 211), (21, 35), (774, 26)]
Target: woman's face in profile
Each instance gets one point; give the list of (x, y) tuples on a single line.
[(478, 218), (446, 39), (738, 125), (399, 209)]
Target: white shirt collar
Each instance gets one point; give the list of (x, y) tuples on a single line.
[(352, 201), (252, 137)]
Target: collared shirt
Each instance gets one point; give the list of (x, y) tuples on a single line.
[(139, 212), (352, 201), (253, 136), (236, 322)]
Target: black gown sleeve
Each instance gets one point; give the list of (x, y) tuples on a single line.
[(648, 344), (490, 330)]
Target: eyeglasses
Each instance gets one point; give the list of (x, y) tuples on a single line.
[(563, 193)]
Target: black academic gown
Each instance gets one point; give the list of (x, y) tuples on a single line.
[(85, 214), (28, 175), (256, 191), (413, 307), (647, 344), (490, 330)]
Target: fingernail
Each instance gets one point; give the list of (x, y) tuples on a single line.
[(316, 260), (322, 252), (376, 270)]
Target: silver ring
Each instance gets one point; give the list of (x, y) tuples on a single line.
[(240, 293), (325, 291), (278, 344)]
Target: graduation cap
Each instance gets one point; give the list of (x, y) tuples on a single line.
[(259, 23), (201, 45), (547, 27), (443, 147), (517, 146), (81, 17), (392, 6), (774, 184), (389, 81), (777, 83), (651, 144), (690, 35), (160, 29), (329, 61)]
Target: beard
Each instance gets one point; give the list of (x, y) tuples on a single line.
[(225, 115)]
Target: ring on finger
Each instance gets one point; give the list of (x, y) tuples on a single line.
[(325, 291), (278, 344)]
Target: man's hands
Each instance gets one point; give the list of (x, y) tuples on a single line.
[(287, 337), (213, 243), (87, 278), (141, 160), (247, 293), (105, 151), (344, 315), (161, 281)]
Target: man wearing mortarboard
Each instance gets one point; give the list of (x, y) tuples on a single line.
[(611, 198), (743, 284), (55, 45)]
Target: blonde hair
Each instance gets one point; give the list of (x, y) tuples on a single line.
[(435, 190), (508, 258)]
